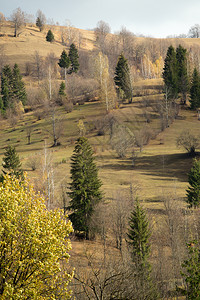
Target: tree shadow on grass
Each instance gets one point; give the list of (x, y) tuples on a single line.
[(166, 167)]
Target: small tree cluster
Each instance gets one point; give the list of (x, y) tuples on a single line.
[(41, 20), (70, 60), (12, 87)]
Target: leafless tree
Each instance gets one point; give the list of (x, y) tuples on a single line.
[(188, 141), (101, 31), (18, 19), (39, 66), (194, 31), (29, 130)]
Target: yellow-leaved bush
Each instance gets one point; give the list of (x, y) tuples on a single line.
[(34, 245)]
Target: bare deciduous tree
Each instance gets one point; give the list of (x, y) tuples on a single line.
[(188, 141), (18, 19)]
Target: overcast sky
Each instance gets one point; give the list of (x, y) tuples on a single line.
[(157, 18)]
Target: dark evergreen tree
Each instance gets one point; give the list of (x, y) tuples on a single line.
[(195, 90), (19, 90), (11, 163), (7, 86), (61, 91), (139, 246), (182, 77), (191, 272), (64, 62), (50, 36), (170, 73), (139, 234), (12, 86), (39, 23), (122, 79), (193, 191), (85, 191), (73, 56)]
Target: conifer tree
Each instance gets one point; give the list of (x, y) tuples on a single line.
[(193, 191), (12, 86), (64, 62), (122, 79), (195, 90), (7, 86), (182, 77), (170, 73), (50, 36), (85, 191), (139, 234), (191, 272), (61, 91), (11, 163), (18, 85), (73, 56), (138, 240)]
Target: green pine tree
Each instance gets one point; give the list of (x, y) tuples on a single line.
[(193, 191), (11, 163), (61, 91), (19, 90), (170, 73), (122, 79), (73, 56), (182, 77), (85, 191), (7, 86), (195, 90), (191, 272), (64, 62), (139, 246), (139, 234), (50, 36)]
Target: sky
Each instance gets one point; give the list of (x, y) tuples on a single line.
[(156, 18)]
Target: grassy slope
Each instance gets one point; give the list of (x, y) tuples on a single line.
[(159, 168)]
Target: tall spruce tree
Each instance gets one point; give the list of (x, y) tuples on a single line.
[(122, 79), (73, 56), (50, 36), (193, 191), (182, 77), (139, 246), (64, 62), (19, 90), (170, 73), (11, 163), (195, 90), (85, 191), (139, 234)]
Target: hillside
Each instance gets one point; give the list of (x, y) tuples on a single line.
[(151, 166), (159, 166)]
